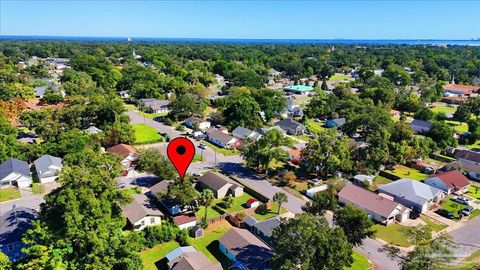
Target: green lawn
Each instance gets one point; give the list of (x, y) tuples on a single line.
[(338, 77), (303, 100), (452, 206), (459, 127), (315, 127), (475, 145), (208, 243), (152, 255), (223, 151), (197, 158), (145, 134), (301, 137), (392, 234), (273, 212), (474, 214), (38, 188), (7, 194), (379, 181), (360, 262), (132, 191), (444, 109), (472, 192), (236, 206), (435, 226), (407, 172)]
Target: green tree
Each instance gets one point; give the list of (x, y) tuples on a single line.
[(186, 105), (424, 113), (152, 161), (270, 101), (5, 262), (355, 223), (321, 202), (280, 198), (442, 134), (206, 199), (241, 110), (426, 256), (87, 198), (321, 247), (326, 154)]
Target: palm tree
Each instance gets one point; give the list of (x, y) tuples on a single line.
[(206, 199), (280, 198)]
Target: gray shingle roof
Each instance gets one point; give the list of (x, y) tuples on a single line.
[(47, 165), (14, 165), (214, 180), (411, 190), (11, 228), (40, 91), (419, 125), (242, 132), (266, 227), (139, 208), (289, 124), (219, 136)]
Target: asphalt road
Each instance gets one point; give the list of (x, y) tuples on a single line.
[(468, 239)]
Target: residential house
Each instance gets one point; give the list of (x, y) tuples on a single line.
[(14, 172), (159, 188), (263, 131), (221, 139), (274, 73), (184, 221), (394, 113), (245, 134), (469, 161), (450, 182), (124, 94), (420, 126), (413, 194), (294, 154), (335, 122), (363, 179), (292, 104), (187, 258), (291, 126), (93, 130), (141, 212), (126, 152), (453, 89), (39, 91), (379, 208), (220, 80), (220, 184), (297, 112), (252, 203), (48, 167), (200, 123), (264, 229), (171, 206), (245, 250), (13, 224), (153, 105)]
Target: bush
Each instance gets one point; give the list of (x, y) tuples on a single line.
[(180, 128), (154, 235), (241, 216), (182, 238), (167, 121)]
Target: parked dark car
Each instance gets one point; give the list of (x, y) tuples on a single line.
[(445, 213), (466, 211)]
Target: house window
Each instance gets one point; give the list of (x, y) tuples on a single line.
[(152, 220), (10, 247), (143, 223)]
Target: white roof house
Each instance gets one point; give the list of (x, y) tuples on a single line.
[(48, 167)]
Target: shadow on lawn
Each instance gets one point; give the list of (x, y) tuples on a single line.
[(162, 264), (213, 247)]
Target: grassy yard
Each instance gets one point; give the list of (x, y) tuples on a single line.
[(301, 137), (208, 244), (459, 127), (338, 77), (38, 188), (145, 134), (360, 262), (444, 109), (7, 194), (472, 192), (392, 234), (223, 151), (197, 158), (435, 226), (153, 255), (315, 127), (406, 172), (452, 206), (273, 212), (379, 181), (303, 100), (237, 205), (132, 191)]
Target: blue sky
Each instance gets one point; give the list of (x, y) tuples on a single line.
[(244, 19)]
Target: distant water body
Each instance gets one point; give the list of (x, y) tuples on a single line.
[(256, 41)]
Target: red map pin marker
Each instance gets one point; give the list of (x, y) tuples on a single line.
[(181, 151)]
